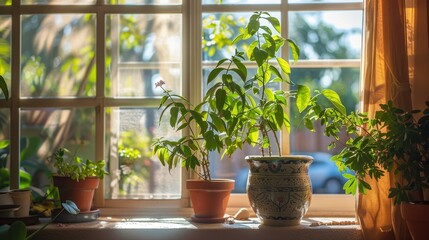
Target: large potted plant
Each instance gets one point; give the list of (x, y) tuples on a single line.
[(77, 179), (209, 196), (394, 141), (279, 187)]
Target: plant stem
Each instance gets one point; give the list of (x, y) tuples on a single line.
[(44, 226)]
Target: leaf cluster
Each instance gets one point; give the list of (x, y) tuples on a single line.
[(251, 109), (391, 141), (75, 167)]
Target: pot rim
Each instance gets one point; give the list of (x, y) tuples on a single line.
[(213, 180), (277, 157)]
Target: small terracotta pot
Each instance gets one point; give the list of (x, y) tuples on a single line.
[(209, 199), (80, 192), (416, 216)]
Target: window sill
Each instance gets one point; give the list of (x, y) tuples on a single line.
[(181, 228)]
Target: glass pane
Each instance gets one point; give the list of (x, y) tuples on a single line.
[(324, 1), (241, 2), (5, 48), (134, 172), (142, 2), (6, 2), (321, 36), (4, 149), (45, 130), (220, 29), (141, 50), (58, 55), (324, 174), (59, 2)]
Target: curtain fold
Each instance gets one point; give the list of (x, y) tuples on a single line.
[(395, 67)]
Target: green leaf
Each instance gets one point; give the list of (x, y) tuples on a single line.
[(253, 136), (174, 111), (253, 26), (213, 74), (269, 93), (241, 67), (238, 38), (309, 124), (275, 22), (295, 50), (260, 56), (284, 65), (250, 49), (334, 98), (220, 99), (303, 97), (17, 231), (3, 87)]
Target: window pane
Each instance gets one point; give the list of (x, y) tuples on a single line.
[(321, 36), (58, 55), (240, 1), (141, 2), (58, 2), (220, 29), (324, 174), (45, 130), (134, 172), (4, 149), (6, 2), (324, 1), (140, 50), (5, 47)]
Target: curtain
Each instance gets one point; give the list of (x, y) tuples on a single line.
[(396, 67)]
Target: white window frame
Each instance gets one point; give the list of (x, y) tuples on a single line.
[(191, 11)]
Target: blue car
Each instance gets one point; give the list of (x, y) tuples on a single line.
[(323, 172)]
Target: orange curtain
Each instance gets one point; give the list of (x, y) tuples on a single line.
[(396, 67)]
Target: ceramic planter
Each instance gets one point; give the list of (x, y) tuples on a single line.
[(279, 188), (209, 199), (80, 192), (416, 216)]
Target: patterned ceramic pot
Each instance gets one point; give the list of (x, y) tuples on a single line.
[(279, 188)]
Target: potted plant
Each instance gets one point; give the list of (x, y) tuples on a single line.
[(209, 196), (77, 179), (394, 140), (279, 187)]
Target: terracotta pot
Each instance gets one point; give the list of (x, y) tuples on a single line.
[(279, 188), (209, 199), (80, 192), (416, 216)]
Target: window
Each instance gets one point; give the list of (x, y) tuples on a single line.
[(82, 76)]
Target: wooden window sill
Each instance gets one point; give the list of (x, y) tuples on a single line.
[(177, 228)]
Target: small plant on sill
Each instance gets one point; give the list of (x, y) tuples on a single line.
[(75, 167)]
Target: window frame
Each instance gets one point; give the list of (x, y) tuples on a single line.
[(192, 12)]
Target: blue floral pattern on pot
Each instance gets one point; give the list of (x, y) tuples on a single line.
[(279, 188)]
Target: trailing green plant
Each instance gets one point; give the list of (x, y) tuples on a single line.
[(75, 167), (252, 110), (18, 231), (393, 140)]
